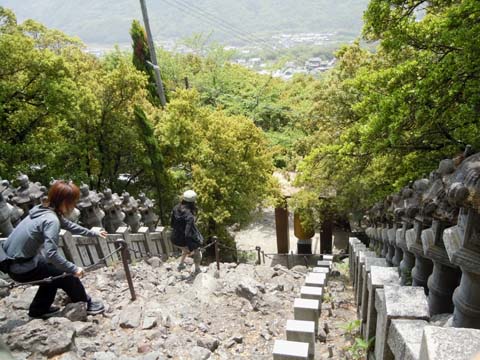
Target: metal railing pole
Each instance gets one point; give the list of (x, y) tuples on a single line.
[(125, 256), (259, 259), (217, 252)]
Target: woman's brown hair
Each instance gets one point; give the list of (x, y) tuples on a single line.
[(62, 192)]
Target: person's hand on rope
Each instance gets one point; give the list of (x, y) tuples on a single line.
[(79, 273)]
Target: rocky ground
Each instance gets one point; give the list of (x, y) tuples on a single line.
[(233, 313)]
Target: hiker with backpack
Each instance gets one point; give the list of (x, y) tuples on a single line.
[(185, 233)]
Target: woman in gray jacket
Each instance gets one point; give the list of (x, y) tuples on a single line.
[(42, 227)]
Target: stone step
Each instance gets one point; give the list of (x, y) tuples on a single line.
[(316, 279), (290, 350), (302, 331), (307, 310)]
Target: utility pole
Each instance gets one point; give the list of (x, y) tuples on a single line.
[(153, 55)]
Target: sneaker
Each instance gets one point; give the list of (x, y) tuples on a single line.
[(181, 267), (95, 307), (52, 311)]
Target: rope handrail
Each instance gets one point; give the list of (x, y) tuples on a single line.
[(50, 279)]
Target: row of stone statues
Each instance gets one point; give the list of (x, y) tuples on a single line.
[(431, 232), (106, 209)]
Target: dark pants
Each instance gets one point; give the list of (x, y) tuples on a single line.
[(46, 293)]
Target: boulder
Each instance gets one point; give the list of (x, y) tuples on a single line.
[(154, 262), (208, 342), (49, 338), (131, 317), (75, 311), (199, 353)]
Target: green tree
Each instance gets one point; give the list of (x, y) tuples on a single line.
[(141, 54), (381, 120), (224, 158)]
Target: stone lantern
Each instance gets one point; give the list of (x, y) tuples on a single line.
[(421, 220), (6, 226), (445, 276), (91, 215), (28, 194), (114, 216), (411, 198), (146, 208), (130, 209), (8, 193), (462, 241)]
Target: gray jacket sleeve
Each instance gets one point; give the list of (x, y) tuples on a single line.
[(76, 229), (51, 230)]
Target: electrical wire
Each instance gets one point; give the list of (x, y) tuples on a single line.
[(222, 22), (213, 21)]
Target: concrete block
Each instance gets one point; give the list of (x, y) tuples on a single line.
[(316, 279), (405, 337), (312, 292), (302, 331), (307, 310), (321, 270), (439, 343), (351, 242), (396, 302), (359, 282), (324, 263), (377, 279), (356, 250), (369, 262), (290, 350)]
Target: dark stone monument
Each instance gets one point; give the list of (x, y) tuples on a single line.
[(462, 241), (114, 216), (8, 193), (28, 194), (6, 226), (422, 220), (412, 198), (91, 214), (130, 209), (146, 208), (445, 276)]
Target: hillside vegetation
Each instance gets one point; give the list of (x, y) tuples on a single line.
[(365, 129)]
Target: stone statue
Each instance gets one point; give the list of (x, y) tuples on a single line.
[(437, 209), (462, 241), (114, 216), (6, 226), (91, 214), (28, 194), (130, 209), (15, 212), (145, 206)]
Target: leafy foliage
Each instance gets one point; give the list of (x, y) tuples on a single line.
[(384, 119), (67, 114), (224, 158)]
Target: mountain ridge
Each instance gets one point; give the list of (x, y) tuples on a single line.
[(109, 22)]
